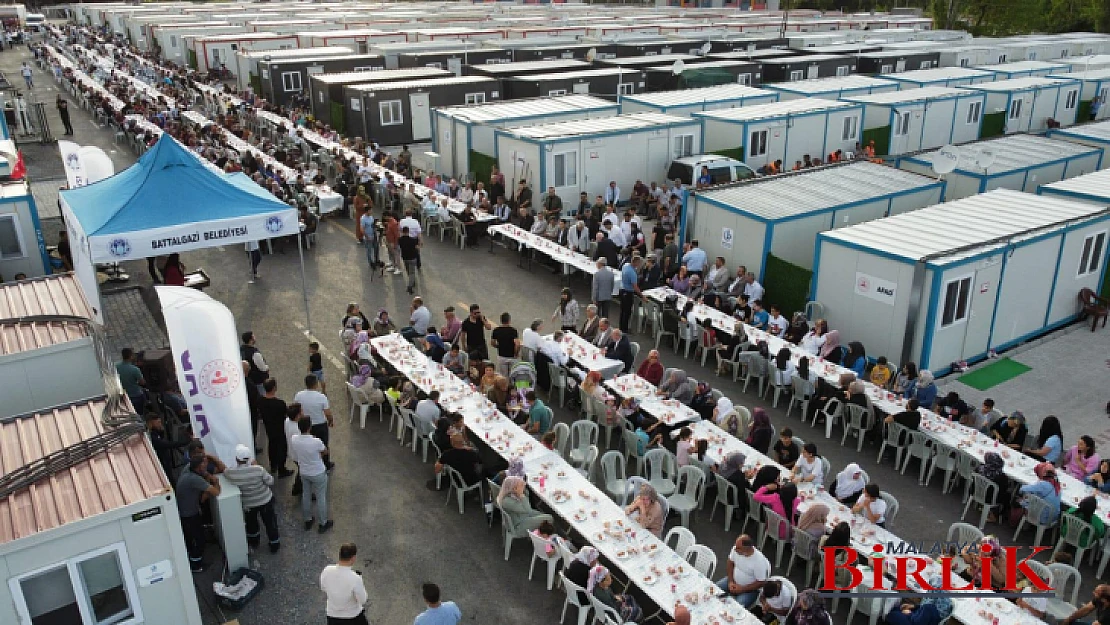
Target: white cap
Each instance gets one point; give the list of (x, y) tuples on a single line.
[(243, 453)]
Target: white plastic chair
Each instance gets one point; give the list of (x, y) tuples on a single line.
[(1037, 509), (632, 449), (984, 492), (575, 593), (687, 496), (687, 334), (964, 533), (1072, 531), (558, 380), (360, 401), (894, 436), (857, 421), (918, 446), (778, 530), (682, 537), (583, 435), (805, 549), (456, 483), (613, 476), (603, 612), (871, 607), (587, 468), (702, 558), (892, 507), (1064, 576), (802, 391), (661, 470), (728, 495), (539, 552), (562, 438)]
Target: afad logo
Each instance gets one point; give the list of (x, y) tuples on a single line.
[(912, 574)]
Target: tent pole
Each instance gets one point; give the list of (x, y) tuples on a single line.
[(304, 283)]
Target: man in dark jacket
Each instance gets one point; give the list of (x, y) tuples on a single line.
[(607, 249)]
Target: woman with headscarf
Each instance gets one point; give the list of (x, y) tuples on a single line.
[(651, 369), (848, 485), (923, 390), (577, 570), (832, 350), (514, 503), (566, 312), (1011, 430), (1100, 478), (408, 396), (599, 585), (732, 470), (354, 311), (1047, 487), (725, 416), (676, 386), (856, 358), (648, 510), (929, 609), (798, 329), (500, 394), (351, 327), (994, 469), (972, 556), (760, 436), (809, 610), (383, 325), (702, 402), (359, 351), (782, 500), (814, 520)]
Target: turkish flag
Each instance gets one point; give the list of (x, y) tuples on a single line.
[(19, 170)]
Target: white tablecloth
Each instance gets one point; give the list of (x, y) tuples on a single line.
[(569, 259), (589, 356), (670, 411)]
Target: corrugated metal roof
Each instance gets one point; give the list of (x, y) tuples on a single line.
[(807, 58), (1097, 130), (651, 58), (383, 74), (706, 65), (1095, 185), (1021, 66), (938, 74), (785, 108), (420, 84), (1019, 84), (535, 107), (528, 66), (586, 73), (619, 123), (718, 93), (978, 219), (833, 83), (50, 295), (911, 95), (811, 191), (123, 475), (1014, 152)]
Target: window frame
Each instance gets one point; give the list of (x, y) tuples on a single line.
[(886, 68), (556, 92), (1015, 109), (744, 79), (758, 139), (902, 124), (682, 146), (1090, 262), (976, 108), (478, 97), (18, 229), (570, 180), (796, 75), (843, 70), (400, 118), (285, 82), (80, 588), (626, 88), (963, 289), (850, 129), (1071, 99)]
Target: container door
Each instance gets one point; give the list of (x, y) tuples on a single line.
[(658, 157), (1104, 109), (984, 292), (595, 175), (582, 87), (900, 66), (813, 72), (455, 65), (421, 116)]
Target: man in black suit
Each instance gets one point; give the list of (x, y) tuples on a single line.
[(620, 349), (607, 249)]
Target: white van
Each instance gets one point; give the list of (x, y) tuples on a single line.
[(35, 22), (722, 169)]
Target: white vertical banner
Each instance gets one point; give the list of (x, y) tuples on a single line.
[(75, 167), (85, 165), (205, 349)]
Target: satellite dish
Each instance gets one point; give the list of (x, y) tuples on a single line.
[(984, 158), (945, 160), (677, 68), (591, 54), (706, 47)]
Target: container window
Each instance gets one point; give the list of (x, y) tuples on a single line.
[(796, 75), (851, 129), (1091, 258), (757, 143), (627, 88), (886, 69), (843, 70), (390, 113), (291, 81), (974, 111), (566, 169), (744, 79), (555, 92), (901, 124), (956, 295), (683, 145), (11, 245), (95, 588), (1015, 108), (475, 98), (1071, 99)]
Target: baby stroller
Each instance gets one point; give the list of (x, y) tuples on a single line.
[(522, 376)]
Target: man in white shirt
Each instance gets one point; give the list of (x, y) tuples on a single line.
[(293, 414), (531, 337), (345, 590), (753, 290), (364, 172), (613, 231), (630, 217), (553, 349), (612, 193), (427, 412), (777, 597), (412, 224), (695, 258), (501, 210), (419, 319), (777, 324), (658, 194), (316, 407), (310, 452), (871, 505), (748, 571)]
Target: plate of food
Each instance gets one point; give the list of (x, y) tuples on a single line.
[(649, 580), (560, 496), (623, 554), (580, 516), (599, 537)]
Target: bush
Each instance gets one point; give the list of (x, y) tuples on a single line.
[(787, 285), (481, 165)]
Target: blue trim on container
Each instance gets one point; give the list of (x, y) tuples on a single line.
[(33, 209), (816, 267), (768, 236), (1055, 277), (998, 296), (930, 321), (863, 248)]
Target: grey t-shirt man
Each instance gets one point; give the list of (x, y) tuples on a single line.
[(190, 487)]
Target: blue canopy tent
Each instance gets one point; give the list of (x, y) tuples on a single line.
[(170, 201)]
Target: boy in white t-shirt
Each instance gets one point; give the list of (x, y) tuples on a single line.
[(776, 599), (871, 505)]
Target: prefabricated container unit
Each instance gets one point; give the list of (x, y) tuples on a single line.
[(901, 122), (1022, 69), (455, 34), (653, 60), (785, 131), (207, 52), (660, 46), (747, 43), (757, 56), (1093, 187), (833, 88), (24, 250), (962, 278), (584, 155), (528, 68), (172, 40), (970, 56), (802, 67), (941, 77), (1019, 162), (1026, 104), (603, 83), (455, 61), (281, 80), (1049, 49), (616, 32), (246, 61), (542, 42), (847, 49), (96, 542), (1081, 47), (1094, 83), (287, 26), (800, 41), (577, 51), (782, 215), (326, 90), (703, 74), (684, 102), (359, 40), (1087, 63), (896, 61), (394, 113), (1095, 135), (465, 129), (393, 51)]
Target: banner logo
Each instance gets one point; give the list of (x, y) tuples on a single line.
[(119, 247), (73, 161), (220, 378), (274, 224)]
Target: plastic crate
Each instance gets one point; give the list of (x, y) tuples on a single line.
[(236, 577)]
